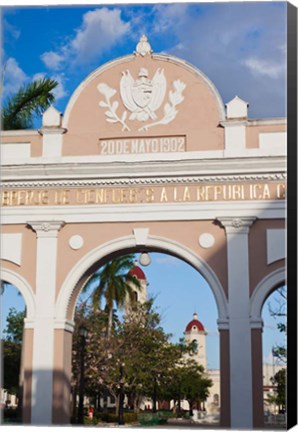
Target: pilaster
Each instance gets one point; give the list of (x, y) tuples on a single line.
[(241, 391), (43, 338), (257, 372)]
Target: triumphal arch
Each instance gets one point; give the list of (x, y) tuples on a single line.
[(145, 157)]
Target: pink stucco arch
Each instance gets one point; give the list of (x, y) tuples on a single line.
[(25, 289), (129, 242)]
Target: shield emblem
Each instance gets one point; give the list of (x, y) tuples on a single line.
[(142, 93)]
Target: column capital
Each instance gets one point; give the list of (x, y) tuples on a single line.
[(46, 228), (64, 324), (236, 225), (52, 131), (256, 323), (223, 324)]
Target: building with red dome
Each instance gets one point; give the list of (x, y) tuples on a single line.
[(140, 292), (195, 332)]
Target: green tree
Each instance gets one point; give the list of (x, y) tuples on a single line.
[(279, 381), (278, 311), (12, 350), (113, 283), (96, 355), (148, 355), (30, 100), (15, 325), (194, 385)]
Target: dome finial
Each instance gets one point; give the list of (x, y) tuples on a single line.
[(143, 47), (195, 316)]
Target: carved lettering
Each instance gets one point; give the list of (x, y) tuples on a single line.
[(144, 194), (163, 195), (109, 147), (280, 191)]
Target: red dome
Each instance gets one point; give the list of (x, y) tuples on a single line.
[(137, 272), (194, 323)]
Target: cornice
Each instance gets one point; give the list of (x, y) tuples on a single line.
[(267, 121), (150, 171), (255, 122), (19, 132), (144, 181)]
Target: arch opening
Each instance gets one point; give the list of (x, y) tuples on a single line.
[(13, 315), (274, 314), (189, 295)]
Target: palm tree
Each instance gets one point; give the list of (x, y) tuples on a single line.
[(30, 100), (115, 284)]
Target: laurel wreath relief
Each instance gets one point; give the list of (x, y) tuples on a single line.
[(109, 92), (170, 111)]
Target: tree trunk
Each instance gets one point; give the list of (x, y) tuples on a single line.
[(110, 322), (136, 404)]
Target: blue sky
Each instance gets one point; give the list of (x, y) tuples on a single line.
[(179, 291), (241, 46)]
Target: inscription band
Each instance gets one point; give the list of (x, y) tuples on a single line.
[(147, 194)]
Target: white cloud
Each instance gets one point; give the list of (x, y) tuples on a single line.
[(14, 76), (38, 76), (265, 68), (220, 38), (11, 30), (100, 30), (167, 15), (52, 60), (59, 91)]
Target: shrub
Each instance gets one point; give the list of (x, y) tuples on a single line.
[(130, 417), (12, 415), (152, 419)]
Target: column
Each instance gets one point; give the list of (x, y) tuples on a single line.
[(26, 372), (62, 372), (43, 338), (241, 392), (257, 373), (225, 418)]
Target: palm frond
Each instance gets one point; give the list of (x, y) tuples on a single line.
[(32, 99)]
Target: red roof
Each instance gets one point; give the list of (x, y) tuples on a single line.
[(194, 323), (137, 272)]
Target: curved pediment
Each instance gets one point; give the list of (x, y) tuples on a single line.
[(147, 103)]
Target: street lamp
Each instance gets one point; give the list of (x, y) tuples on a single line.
[(83, 334), (144, 259), (121, 396)]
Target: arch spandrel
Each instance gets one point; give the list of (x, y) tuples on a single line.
[(184, 103)]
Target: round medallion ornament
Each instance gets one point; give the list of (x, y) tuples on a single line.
[(76, 242), (206, 240)]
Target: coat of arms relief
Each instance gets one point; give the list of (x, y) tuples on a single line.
[(142, 97)]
